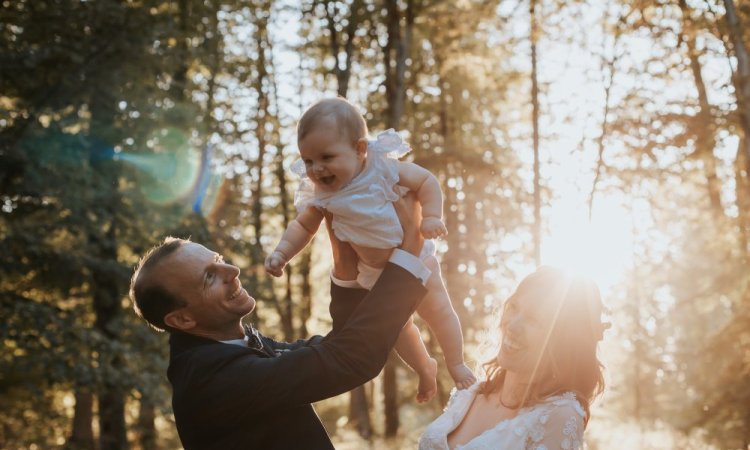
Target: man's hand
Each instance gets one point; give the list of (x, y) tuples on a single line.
[(409, 214), (275, 263), (432, 228), (344, 257)]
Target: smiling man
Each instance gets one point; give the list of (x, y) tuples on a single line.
[(234, 388)]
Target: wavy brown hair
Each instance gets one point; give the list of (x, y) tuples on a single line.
[(568, 362)]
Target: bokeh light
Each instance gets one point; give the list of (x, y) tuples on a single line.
[(175, 170)]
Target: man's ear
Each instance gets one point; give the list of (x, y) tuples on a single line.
[(179, 320), (361, 147)]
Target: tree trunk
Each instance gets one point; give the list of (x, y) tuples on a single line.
[(179, 78), (359, 412), (342, 69), (743, 209), (741, 77), (146, 425), (305, 264), (399, 42), (609, 67), (82, 432), (106, 286), (537, 233), (395, 53), (111, 395), (704, 130), (390, 396), (264, 87), (112, 418), (260, 131), (637, 336), (287, 307)]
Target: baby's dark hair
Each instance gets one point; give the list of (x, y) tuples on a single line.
[(349, 121)]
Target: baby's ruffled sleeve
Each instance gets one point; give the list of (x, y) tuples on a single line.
[(389, 143), (305, 194)]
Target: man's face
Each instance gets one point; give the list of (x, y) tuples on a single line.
[(215, 298)]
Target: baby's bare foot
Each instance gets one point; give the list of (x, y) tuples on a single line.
[(427, 382), (462, 375)]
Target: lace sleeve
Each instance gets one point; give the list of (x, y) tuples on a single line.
[(389, 143), (560, 429)]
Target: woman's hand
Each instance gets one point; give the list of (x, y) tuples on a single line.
[(344, 257), (409, 214)]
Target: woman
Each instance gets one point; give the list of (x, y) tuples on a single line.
[(538, 388)]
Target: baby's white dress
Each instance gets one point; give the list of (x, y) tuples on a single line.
[(556, 423), (362, 211)]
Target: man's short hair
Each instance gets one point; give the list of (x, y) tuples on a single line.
[(151, 300)]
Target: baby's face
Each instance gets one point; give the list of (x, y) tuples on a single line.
[(331, 162)]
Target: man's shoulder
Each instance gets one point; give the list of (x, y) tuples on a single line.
[(195, 357)]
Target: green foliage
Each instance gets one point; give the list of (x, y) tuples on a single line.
[(106, 107)]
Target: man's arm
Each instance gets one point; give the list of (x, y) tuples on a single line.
[(344, 298), (343, 361)]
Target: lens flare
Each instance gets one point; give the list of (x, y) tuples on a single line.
[(206, 193), (175, 172)]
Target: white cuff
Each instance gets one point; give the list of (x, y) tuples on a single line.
[(411, 264), (344, 283)]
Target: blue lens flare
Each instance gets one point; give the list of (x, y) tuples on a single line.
[(209, 184), (174, 171)]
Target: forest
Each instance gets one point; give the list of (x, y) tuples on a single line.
[(610, 137)]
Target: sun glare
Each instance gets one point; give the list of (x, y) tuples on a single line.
[(600, 249)]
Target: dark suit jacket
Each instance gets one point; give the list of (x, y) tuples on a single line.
[(231, 397)]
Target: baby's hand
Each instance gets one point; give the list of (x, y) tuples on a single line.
[(432, 228), (275, 263)]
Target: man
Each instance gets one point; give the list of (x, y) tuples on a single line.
[(257, 395)]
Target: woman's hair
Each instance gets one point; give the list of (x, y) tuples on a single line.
[(568, 363), (349, 121)]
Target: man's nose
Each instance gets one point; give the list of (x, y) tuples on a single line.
[(229, 272)]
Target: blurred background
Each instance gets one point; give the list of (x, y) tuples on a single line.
[(611, 137)]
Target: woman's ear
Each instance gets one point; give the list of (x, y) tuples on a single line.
[(179, 320), (361, 147)]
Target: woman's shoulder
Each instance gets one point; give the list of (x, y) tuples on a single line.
[(557, 423), (460, 396), (565, 402)]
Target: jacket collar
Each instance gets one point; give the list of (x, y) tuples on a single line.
[(179, 342)]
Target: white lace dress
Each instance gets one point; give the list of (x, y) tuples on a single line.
[(555, 424), (363, 209)]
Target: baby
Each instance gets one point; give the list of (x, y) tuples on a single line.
[(357, 180)]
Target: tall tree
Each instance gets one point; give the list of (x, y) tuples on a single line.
[(742, 76), (534, 35), (396, 52), (343, 23), (704, 125)]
